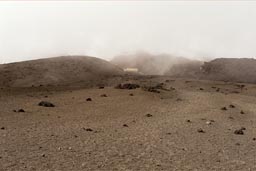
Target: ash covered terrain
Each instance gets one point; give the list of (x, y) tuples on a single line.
[(84, 113)]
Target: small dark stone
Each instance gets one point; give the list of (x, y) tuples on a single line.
[(125, 125), (46, 104), (131, 94), (243, 128), (2, 128), (46, 96), (238, 144), (200, 130), (239, 132), (14, 110), (201, 89), (128, 86), (21, 110), (88, 99), (188, 120), (224, 108), (88, 129), (231, 106), (103, 95), (242, 112), (101, 87), (230, 117), (149, 115), (254, 139)]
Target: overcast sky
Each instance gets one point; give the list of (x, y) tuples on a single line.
[(30, 30)]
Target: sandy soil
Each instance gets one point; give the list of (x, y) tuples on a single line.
[(115, 132)]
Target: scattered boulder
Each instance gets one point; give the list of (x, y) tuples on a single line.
[(242, 112), (224, 108), (128, 86), (231, 106), (3, 128), (254, 139), (88, 129), (101, 87), (200, 130), (21, 110), (88, 99), (235, 92), (201, 89), (131, 94), (46, 104), (149, 115), (125, 125), (152, 89), (239, 131), (103, 95), (243, 128)]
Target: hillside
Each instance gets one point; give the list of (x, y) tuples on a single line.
[(230, 69), (63, 70)]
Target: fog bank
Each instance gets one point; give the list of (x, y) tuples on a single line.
[(198, 30)]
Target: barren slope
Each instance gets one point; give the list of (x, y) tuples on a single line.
[(230, 69), (186, 129), (65, 70)]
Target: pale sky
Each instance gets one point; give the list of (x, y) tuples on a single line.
[(195, 29)]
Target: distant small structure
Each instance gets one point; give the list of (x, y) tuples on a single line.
[(134, 70)]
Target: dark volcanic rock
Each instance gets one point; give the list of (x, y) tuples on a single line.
[(21, 110), (103, 95), (224, 108), (128, 86), (151, 89), (200, 130), (231, 106), (149, 115), (239, 131), (88, 99), (46, 104), (88, 129)]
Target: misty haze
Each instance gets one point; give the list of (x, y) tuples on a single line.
[(126, 85)]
